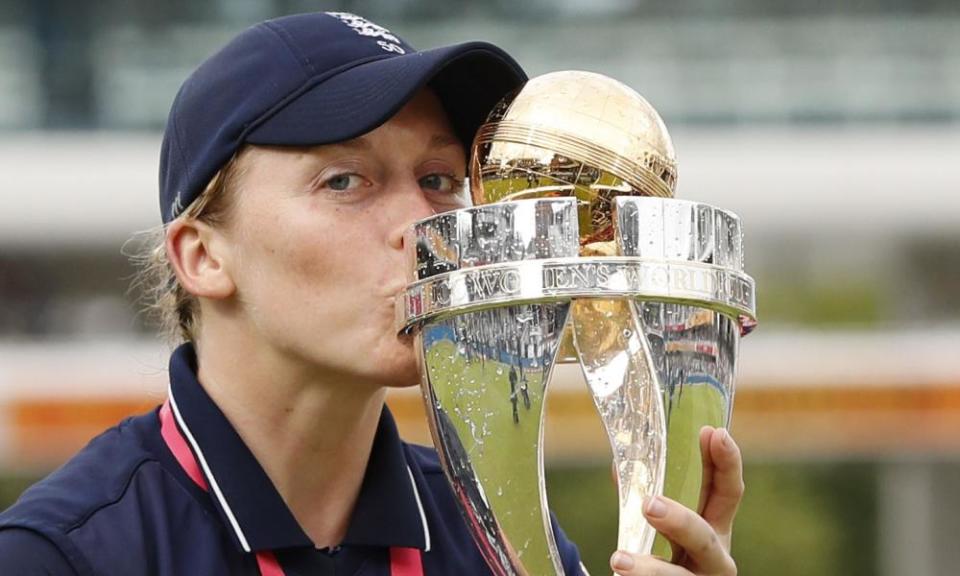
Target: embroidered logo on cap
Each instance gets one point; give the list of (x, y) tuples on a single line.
[(364, 27), (177, 206)]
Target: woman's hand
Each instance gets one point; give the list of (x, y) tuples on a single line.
[(701, 543)]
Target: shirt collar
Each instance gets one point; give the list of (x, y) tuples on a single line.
[(388, 511)]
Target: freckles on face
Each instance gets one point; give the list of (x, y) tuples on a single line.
[(317, 235), (306, 254)]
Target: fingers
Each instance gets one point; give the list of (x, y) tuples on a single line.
[(703, 542), (627, 564), (706, 483), (702, 546), (725, 476)]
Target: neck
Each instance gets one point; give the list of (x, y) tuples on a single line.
[(312, 434)]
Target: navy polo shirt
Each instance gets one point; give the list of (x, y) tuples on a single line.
[(125, 506)]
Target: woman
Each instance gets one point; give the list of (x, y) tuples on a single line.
[(292, 163)]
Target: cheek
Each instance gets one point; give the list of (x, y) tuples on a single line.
[(276, 259), (321, 288), (307, 265)]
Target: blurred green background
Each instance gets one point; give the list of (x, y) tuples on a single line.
[(830, 511)]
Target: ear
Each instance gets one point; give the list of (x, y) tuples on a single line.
[(200, 258)]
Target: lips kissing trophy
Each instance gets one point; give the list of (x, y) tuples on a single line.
[(575, 250)]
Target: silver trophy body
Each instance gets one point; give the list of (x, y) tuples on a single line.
[(655, 316)]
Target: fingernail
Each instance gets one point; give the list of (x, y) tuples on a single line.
[(621, 561), (724, 437), (656, 507)]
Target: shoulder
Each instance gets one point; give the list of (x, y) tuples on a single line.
[(95, 477), (27, 553), (108, 487)]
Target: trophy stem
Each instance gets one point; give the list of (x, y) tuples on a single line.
[(619, 370), (485, 378)]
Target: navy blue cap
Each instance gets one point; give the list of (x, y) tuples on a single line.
[(311, 79)]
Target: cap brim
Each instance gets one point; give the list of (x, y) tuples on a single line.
[(468, 78)]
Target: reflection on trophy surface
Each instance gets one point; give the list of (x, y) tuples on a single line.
[(577, 251)]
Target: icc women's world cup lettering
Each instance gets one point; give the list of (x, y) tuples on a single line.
[(575, 243)]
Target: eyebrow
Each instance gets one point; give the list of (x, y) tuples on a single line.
[(443, 140), (436, 141), (359, 142)]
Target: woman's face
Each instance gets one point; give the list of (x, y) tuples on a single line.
[(316, 242)]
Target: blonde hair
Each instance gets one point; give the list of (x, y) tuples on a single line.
[(164, 301)]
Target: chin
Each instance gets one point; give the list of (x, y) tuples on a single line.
[(399, 370), (394, 378), (404, 376), (384, 374)]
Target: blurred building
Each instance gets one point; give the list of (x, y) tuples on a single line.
[(833, 129)]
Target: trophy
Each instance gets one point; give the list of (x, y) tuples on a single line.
[(575, 251)]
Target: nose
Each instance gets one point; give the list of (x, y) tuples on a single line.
[(410, 205)]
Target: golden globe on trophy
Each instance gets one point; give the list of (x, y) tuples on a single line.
[(575, 251)]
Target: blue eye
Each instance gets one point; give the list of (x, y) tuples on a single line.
[(342, 182), (441, 183)]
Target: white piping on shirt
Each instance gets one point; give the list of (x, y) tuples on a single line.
[(229, 511), (206, 469), (423, 516)]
